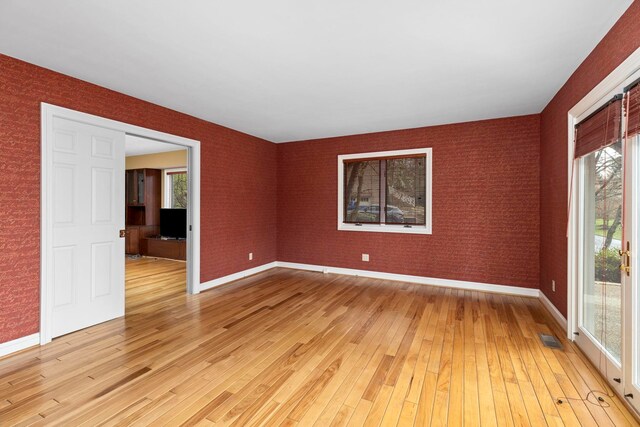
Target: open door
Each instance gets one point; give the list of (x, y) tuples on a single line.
[(85, 250)]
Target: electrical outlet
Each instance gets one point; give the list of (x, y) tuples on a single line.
[(365, 257), (553, 285), (250, 256)]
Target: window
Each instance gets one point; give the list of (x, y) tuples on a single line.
[(175, 188), (386, 191)]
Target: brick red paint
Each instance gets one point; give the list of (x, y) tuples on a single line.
[(485, 204), (622, 40), (237, 185)]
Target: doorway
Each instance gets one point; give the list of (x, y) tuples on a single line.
[(156, 238), (75, 208), (604, 302)]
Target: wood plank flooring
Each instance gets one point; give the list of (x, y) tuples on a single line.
[(288, 347)]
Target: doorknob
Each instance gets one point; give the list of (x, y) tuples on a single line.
[(123, 233)]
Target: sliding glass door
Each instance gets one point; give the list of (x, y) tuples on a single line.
[(607, 162), (600, 294), (630, 265)]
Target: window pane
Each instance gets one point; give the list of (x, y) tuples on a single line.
[(362, 192), (178, 190), (602, 291), (405, 191)]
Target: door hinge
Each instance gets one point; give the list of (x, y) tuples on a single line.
[(123, 233)]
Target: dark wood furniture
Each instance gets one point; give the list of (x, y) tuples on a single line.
[(135, 234), (143, 198), (164, 248)]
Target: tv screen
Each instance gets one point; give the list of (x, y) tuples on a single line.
[(173, 223)]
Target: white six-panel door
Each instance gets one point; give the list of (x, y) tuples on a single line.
[(85, 266)]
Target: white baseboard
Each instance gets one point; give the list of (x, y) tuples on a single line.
[(553, 310), (19, 344), (459, 284), (236, 276)]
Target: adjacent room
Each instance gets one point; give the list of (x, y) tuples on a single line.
[(156, 201), (410, 213)]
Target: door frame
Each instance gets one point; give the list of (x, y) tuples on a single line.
[(613, 84), (48, 113)]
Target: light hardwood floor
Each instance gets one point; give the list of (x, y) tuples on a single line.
[(289, 347)]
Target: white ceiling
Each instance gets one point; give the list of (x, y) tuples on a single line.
[(289, 70), (136, 146)]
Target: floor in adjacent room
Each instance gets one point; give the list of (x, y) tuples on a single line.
[(288, 347)]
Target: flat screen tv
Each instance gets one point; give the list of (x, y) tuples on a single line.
[(173, 223)]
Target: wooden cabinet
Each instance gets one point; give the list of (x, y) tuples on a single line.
[(143, 193), (143, 198), (135, 235), (132, 240), (164, 248)]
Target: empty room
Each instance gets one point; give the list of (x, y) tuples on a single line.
[(286, 213)]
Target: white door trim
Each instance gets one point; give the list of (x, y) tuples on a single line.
[(585, 106), (48, 112)]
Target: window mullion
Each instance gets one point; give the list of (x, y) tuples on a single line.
[(383, 191)]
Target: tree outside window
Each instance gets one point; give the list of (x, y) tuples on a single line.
[(177, 191)]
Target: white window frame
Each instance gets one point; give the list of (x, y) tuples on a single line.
[(168, 195), (387, 228)]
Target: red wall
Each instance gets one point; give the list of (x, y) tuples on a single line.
[(485, 204), (615, 47), (238, 188)]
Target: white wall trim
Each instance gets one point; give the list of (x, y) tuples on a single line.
[(236, 276), (18, 344), (449, 283), (48, 112), (553, 310)]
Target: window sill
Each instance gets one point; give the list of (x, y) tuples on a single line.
[(383, 228)]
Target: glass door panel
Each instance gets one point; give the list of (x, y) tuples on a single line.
[(601, 294), (140, 186), (130, 177), (632, 289)]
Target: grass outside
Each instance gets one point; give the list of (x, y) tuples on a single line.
[(601, 228)]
